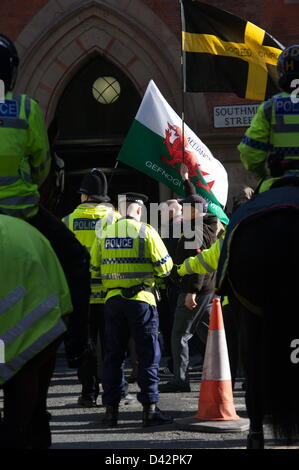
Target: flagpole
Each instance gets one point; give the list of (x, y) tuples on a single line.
[(112, 174), (183, 81)]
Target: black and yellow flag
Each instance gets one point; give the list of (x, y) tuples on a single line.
[(224, 53)]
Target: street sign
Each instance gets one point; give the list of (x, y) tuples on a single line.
[(234, 116)]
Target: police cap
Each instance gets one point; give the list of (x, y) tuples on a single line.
[(94, 184), (138, 198), (9, 61)]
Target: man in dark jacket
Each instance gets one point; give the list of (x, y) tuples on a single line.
[(196, 291), (171, 230)]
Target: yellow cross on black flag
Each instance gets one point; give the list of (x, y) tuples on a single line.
[(224, 53)]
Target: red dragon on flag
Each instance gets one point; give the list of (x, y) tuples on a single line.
[(174, 143)]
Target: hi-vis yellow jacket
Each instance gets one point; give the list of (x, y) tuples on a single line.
[(34, 295), (86, 222), (273, 130), (24, 155), (204, 262), (128, 254)]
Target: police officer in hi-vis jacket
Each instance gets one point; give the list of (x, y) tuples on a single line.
[(127, 258), (24, 166), (84, 222)]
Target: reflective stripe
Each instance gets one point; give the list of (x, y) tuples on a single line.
[(94, 268), (126, 260), (19, 200), (110, 218), (18, 98), (188, 267), (9, 369), (7, 180), (215, 369), (13, 123), (256, 144), (130, 275), (286, 151), (27, 107), (142, 234), (20, 212), (27, 177), (66, 221), (281, 126), (40, 311), (12, 298), (204, 264), (162, 261)]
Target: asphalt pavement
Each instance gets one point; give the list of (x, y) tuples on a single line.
[(74, 427)]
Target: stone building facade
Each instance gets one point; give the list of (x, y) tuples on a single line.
[(58, 40)]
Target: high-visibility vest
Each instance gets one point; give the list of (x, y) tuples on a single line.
[(24, 155), (274, 129), (86, 222), (130, 253), (205, 262), (34, 295)]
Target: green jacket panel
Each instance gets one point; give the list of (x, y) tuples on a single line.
[(25, 158), (274, 130), (34, 294)]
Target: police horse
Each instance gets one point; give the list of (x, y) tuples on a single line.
[(259, 266)]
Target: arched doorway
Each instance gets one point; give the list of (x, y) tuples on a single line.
[(93, 124)]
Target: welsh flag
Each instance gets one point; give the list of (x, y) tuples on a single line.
[(154, 145)]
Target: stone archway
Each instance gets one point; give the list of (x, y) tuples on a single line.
[(63, 36)]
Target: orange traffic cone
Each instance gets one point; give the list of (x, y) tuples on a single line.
[(216, 394), (216, 410)]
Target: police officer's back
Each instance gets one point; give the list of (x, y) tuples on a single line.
[(24, 166), (270, 148), (86, 221), (127, 258)]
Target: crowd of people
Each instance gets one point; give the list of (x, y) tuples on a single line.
[(101, 280)]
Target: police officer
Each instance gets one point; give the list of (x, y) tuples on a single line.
[(34, 299), (129, 256), (24, 166), (270, 148), (92, 215)]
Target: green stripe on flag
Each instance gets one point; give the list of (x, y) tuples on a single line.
[(146, 151)]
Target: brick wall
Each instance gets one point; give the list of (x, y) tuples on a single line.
[(15, 14), (277, 17)]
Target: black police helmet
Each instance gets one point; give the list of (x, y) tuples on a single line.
[(9, 62), (94, 184), (288, 67)]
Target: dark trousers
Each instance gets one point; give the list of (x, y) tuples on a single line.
[(90, 369), (166, 308), (186, 323), (124, 319), (74, 259), (26, 422)]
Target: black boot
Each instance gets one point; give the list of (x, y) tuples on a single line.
[(255, 440), (152, 416), (111, 416)]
